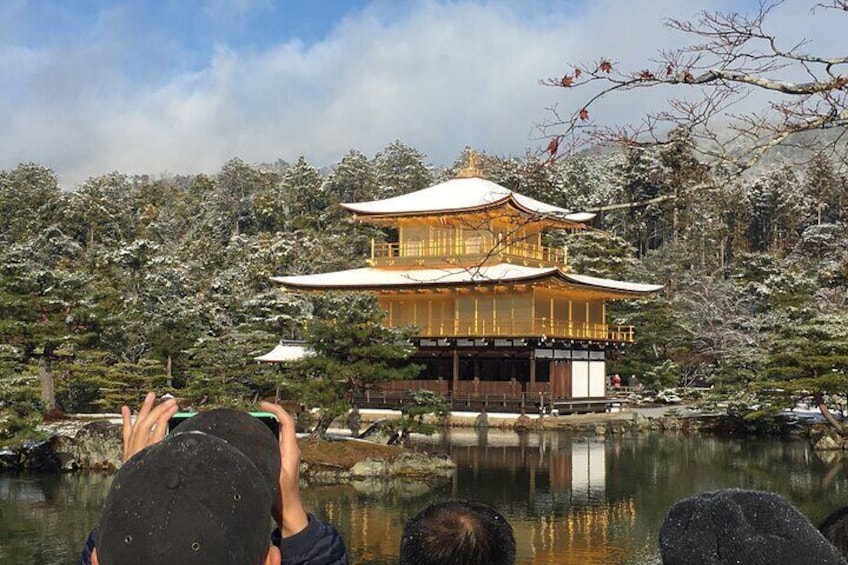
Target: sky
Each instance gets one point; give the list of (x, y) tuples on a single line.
[(165, 87)]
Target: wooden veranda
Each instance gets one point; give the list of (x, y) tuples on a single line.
[(473, 396)]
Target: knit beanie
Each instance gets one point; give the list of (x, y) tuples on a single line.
[(835, 529), (742, 527)]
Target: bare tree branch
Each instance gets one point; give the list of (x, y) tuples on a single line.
[(733, 55)]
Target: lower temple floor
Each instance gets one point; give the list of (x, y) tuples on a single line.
[(471, 369)]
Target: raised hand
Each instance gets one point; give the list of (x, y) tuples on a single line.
[(150, 424), (288, 509)]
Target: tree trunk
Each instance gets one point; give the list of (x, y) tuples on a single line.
[(168, 364), (674, 221), (320, 430), (834, 423), (45, 375)]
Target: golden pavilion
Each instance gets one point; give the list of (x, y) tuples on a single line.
[(499, 315)]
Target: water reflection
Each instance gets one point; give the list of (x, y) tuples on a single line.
[(46, 518), (577, 500), (553, 488), (571, 500)]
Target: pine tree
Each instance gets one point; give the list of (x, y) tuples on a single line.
[(304, 196), (400, 169), (353, 353), (43, 311), (29, 201), (809, 358), (600, 254)]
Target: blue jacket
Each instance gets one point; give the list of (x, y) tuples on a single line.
[(317, 544)]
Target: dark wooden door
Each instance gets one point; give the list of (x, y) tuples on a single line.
[(561, 379)]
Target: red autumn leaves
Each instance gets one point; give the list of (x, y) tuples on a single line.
[(553, 146), (568, 80)]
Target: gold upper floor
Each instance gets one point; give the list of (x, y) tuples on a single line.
[(530, 312), (466, 240)]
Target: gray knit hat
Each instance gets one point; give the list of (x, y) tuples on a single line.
[(742, 527), (835, 529)]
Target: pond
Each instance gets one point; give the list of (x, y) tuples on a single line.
[(570, 499)]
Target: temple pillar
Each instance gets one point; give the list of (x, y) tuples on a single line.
[(532, 366), (455, 384)]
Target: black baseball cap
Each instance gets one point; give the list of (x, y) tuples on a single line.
[(190, 499)]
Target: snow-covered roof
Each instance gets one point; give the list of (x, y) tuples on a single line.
[(459, 195), (370, 278), (284, 352), (612, 284)]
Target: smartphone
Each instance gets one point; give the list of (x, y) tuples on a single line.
[(265, 417)]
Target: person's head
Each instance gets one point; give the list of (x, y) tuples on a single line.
[(741, 526), (457, 532), (192, 498), (835, 530)]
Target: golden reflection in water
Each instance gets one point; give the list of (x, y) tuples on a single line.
[(582, 536), (558, 504), (380, 533)]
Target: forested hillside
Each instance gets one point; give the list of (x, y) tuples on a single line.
[(126, 283)]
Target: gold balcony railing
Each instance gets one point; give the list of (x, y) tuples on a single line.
[(435, 253), (538, 327)]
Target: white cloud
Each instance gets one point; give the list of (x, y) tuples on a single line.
[(439, 77)]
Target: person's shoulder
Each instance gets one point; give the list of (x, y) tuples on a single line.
[(88, 548), (317, 543)]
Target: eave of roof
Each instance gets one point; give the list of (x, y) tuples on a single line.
[(373, 279)]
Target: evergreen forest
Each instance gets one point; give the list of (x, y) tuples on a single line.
[(126, 284)]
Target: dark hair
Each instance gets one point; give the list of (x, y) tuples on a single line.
[(835, 529), (457, 532)]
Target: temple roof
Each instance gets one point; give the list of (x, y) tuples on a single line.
[(284, 352), (370, 278), (461, 194)]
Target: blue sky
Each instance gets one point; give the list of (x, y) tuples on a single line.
[(180, 86)]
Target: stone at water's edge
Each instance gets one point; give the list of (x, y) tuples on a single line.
[(31, 456), (71, 446), (523, 424), (829, 441), (641, 423), (9, 459), (87, 445), (39, 456), (96, 446), (404, 465)]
